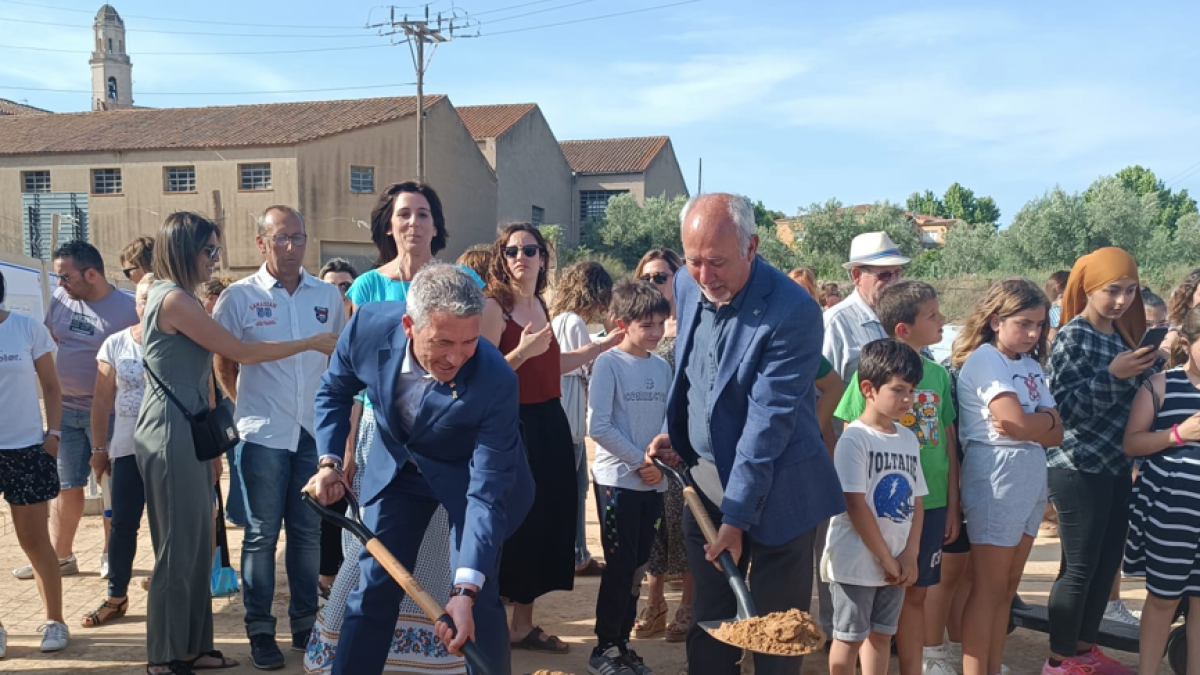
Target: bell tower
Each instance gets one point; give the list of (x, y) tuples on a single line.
[(112, 71)]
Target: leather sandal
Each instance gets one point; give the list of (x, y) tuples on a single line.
[(172, 668), (214, 654), (677, 629), (538, 641), (651, 621), (93, 619)]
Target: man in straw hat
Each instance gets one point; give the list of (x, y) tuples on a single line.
[(875, 263)]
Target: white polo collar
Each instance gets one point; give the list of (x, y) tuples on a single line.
[(266, 281)]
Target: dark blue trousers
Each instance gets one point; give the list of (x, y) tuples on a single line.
[(399, 518)]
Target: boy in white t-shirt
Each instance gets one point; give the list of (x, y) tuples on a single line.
[(871, 551)]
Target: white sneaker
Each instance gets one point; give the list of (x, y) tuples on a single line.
[(1117, 611), (54, 636), (3, 642), (104, 573), (66, 567)]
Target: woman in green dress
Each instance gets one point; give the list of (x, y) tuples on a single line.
[(179, 340)]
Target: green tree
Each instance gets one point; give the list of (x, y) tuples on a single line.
[(1118, 216), (986, 212), (1049, 232), (630, 229), (764, 217), (1172, 206), (969, 249), (925, 203), (829, 228), (960, 203)]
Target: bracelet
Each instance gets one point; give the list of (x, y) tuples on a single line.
[(331, 464), (1175, 434), (99, 450), (519, 355), (55, 433)]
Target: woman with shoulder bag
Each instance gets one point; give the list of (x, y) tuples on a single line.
[(178, 341)]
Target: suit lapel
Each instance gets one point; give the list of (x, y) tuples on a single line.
[(742, 329), (390, 361), (688, 291), (440, 397)]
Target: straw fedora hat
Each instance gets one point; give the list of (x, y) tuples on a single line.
[(876, 249)]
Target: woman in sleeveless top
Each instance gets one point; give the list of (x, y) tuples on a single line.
[(178, 340), (540, 556), (408, 227), (1163, 544)]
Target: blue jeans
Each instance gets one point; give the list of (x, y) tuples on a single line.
[(582, 555), (272, 479), (235, 501), (75, 447)]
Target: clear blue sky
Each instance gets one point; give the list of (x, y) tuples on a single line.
[(787, 101)]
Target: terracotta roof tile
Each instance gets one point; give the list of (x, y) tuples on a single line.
[(613, 155), (8, 107), (491, 121), (211, 127)]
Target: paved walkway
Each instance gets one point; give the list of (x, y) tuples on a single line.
[(120, 647)]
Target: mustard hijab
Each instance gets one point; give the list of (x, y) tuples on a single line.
[(1095, 271)]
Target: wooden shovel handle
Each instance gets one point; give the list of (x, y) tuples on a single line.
[(403, 577), (700, 513)]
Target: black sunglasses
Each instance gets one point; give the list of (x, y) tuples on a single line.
[(530, 251), (213, 252), (128, 271), (659, 278)]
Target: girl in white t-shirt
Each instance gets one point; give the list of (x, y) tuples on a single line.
[(120, 383), (28, 471), (1006, 421)]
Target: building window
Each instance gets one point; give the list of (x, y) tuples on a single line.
[(179, 179), (110, 45), (255, 176), (539, 215), (594, 203), (362, 179), (35, 181), (112, 88), (106, 181)]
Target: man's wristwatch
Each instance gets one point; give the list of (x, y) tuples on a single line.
[(463, 590), (330, 464)]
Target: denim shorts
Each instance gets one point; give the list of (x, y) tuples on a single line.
[(27, 476), (75, 448)]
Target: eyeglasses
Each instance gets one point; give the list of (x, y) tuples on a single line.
[(884, 276), (659, 278), (129, 270), (343, 286), (529, 251), (66, 278), (213, 252), (281, 240)]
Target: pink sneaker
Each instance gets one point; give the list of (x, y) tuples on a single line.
[(1104, 664), (1075, 666)]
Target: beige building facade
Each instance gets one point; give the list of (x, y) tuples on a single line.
[(123, 171)]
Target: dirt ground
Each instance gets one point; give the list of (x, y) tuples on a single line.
[(120, 647)]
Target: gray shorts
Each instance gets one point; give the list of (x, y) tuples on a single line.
[(1003, 493), (859, 611)]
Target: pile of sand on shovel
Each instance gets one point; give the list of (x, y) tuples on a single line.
[(790, 633)]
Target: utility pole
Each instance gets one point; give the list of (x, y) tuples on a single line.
[(418, 33)]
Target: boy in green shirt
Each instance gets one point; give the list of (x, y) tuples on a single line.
[(909, 313)]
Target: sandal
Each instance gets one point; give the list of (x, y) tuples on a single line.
[(538, 641), (93, 619), (172, 668), (677, 630), (651, 621), (214, 654)]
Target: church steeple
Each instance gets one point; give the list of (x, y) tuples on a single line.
[(112, 71)]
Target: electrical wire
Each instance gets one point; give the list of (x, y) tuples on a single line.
[(185, 32), (160, 18), (537, 11), (221, 93), (590, 18)]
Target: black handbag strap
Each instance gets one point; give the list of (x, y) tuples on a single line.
[(178, 404), (222, 541)]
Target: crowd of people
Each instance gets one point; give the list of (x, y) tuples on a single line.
[(454, 401)]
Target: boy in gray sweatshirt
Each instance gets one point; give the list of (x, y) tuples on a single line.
[(627, 400)]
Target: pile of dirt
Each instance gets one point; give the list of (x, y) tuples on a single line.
[(790, 633)]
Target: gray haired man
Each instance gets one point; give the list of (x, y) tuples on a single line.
[(446, 417)]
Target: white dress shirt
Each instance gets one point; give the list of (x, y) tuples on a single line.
[(275, 399), (849, 325)]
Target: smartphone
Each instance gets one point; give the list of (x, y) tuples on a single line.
[(1153, 338)]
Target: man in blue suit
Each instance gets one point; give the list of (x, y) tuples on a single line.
[(446, 433), (742, 413)]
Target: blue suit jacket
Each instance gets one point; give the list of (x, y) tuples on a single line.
[(778, 477), (465, 439)]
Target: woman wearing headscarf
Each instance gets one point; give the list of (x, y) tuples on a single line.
[(1095, 371)]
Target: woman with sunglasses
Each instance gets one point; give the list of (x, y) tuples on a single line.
[(667, 556), (540, 556), (408, 227), (178, 341), (136, 257)]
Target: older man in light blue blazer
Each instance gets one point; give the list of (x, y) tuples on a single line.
[(742, 413)]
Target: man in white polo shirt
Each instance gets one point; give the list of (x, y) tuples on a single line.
[(275, 419)]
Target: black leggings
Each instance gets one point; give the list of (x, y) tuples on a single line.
[(331, 542), (1093, 516), (628, 523)]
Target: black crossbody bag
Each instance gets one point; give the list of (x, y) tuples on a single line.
[(213, 429)]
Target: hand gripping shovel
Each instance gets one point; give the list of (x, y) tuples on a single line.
[(791, 634), (353, 524)]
